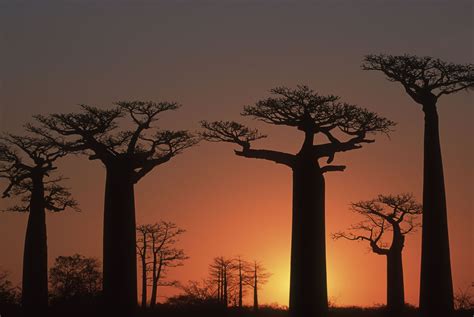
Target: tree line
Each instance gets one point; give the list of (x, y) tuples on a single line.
[(28, 163), (228, 283)]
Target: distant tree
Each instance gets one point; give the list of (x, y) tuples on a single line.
[(255, 278), (387, 213), (75, 277), (128, 155), (195, 293), (313, 114), (8, 293), (222, 271), (27, 163), (242, 267), (464, 299), (163, 237), (425, 80), (143, 232)]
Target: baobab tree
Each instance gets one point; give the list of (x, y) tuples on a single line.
[(312, 114), (256, 276), (425, 80), (128, 156), (387, 213), (27, 164)]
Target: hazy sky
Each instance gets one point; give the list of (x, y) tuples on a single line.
[(214, 57)]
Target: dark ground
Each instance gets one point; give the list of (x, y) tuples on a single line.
[(169, 311)]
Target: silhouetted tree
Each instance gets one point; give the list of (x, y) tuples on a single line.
[(387, 213), (242, 267), (425, 80), (75, 277), (143, 232), (128, 155), (8, 293), (313, 114), (222, 270), (27, 163), (163, 237), (195, 293), (255, 278)]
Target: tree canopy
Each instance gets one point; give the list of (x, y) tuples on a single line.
[(424, 78)]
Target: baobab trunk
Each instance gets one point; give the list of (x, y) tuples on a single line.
[(308, 281), (35, 258), (395, 288), (120, 268), (436, 288)]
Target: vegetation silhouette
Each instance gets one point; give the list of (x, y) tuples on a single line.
[(127, 155), (257, 276), (76, 283), (425, 80), (9, 294), (157, 253), (313, 114), (387, 213), (226, 286), (27, 164)]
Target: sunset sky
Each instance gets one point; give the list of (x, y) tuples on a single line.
[(214, 57)]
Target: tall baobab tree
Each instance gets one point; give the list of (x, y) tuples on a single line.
[(27, 163), (425, 80), (312, 114), (387, 213), (255, 278), (127, 155)]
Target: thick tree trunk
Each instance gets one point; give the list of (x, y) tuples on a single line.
[(395, 288), (436, 288), (35, 257), (144, 273), (120, 266), (308, 281)]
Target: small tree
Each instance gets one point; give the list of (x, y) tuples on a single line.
[(242, 267), (222, 272), (425, 80), (313, 115), (143, 232), (163, 239), (257, 276), (395, 214), (128, 156), (75, 277), (27, 164), (8, 293)]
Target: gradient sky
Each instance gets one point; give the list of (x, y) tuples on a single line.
[(214, 57)]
